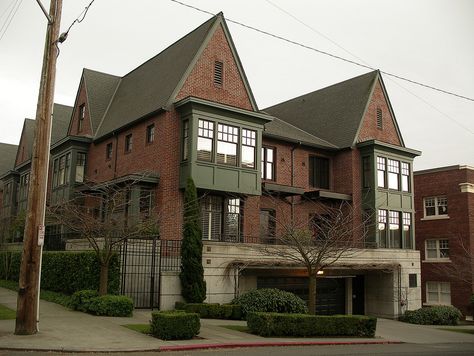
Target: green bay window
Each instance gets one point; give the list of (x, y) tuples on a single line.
[(227, 141), (393, 174), (405, 177), (407, 230), (382, 227), (248, 148), (381, 170), (394, 225), (80, 167), (205, 140)]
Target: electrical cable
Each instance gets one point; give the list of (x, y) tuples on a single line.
[(8, 22), (360, 59), (64, 35), (327, 53)]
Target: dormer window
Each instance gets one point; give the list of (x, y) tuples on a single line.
[(82, 115), (218, 73)]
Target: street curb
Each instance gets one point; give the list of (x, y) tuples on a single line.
[(272, 344), (205, 346)]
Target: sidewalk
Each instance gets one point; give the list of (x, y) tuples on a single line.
[(65, 330)]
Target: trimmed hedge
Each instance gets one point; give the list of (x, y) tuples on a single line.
[(213, 310), (270, 300), (64, 271), (435, 315), (89, 301), (276, 324), (174, 325)]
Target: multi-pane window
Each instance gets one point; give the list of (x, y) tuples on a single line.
[(145, 202), (220, 218), (268, 163), (382, 227), (61, 170), (437, 249), (366, 172), (405, 177), (227, 140), (7, 194), (205, 139), (80, 167), (319, 172), (248, 148), (407, 230), (108, 151), (150, 133), (394, 226), (231, 220), (438, 293), (267, 224), (436, 206), (186, 140), (128, 143), (82, 115), (393, 174), (381, 170), (24, 183), (218, 73)]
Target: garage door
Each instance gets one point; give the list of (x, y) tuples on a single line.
[(330, 292)]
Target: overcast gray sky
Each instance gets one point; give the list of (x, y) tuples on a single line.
[(429, 41)]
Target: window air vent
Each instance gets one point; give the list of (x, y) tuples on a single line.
[(379, 118), (218, 73)]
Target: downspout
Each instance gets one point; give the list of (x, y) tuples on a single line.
[(399, 290), (293, 178)]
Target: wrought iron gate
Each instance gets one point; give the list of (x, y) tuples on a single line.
[(142, 261)]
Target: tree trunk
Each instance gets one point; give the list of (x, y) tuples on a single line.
[(104, 278), (312, 294)]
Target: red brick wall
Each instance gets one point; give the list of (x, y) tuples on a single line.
[(160, 157), (200, 82), (369, 130), (457, 228), (86, 124)]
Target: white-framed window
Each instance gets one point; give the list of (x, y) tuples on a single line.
[(405, 176), (227, 142), (248, 148), (435, 206), (438, 293), (381, 170), (205, 139), (437, 249), (393, 174)]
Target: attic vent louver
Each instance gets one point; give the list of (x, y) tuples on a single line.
[(379, 119), (218, 73)]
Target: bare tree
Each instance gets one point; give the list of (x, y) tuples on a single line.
[(317, 242), (101, 214)]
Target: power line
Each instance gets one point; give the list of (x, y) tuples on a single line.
[(78, 19), (11, 15), (299, 44), (360, 59), (7, 8)]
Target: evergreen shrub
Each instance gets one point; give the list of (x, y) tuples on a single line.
[(270, 300), (174, 325), (305, 325), (435, 315)]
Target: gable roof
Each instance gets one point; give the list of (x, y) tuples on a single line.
[(149, 87), (7, 158), (334, 113), (27, 136), (282, 130), (100, 88), (61, 116)]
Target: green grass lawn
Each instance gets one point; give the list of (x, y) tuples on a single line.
[(141, 328), (241, 328), (6, 313), (459, 330), (55, 297)]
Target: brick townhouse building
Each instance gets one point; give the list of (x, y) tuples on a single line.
[(444, 202), (190, 112)]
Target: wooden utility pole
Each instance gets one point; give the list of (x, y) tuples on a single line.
[(27, 303)]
